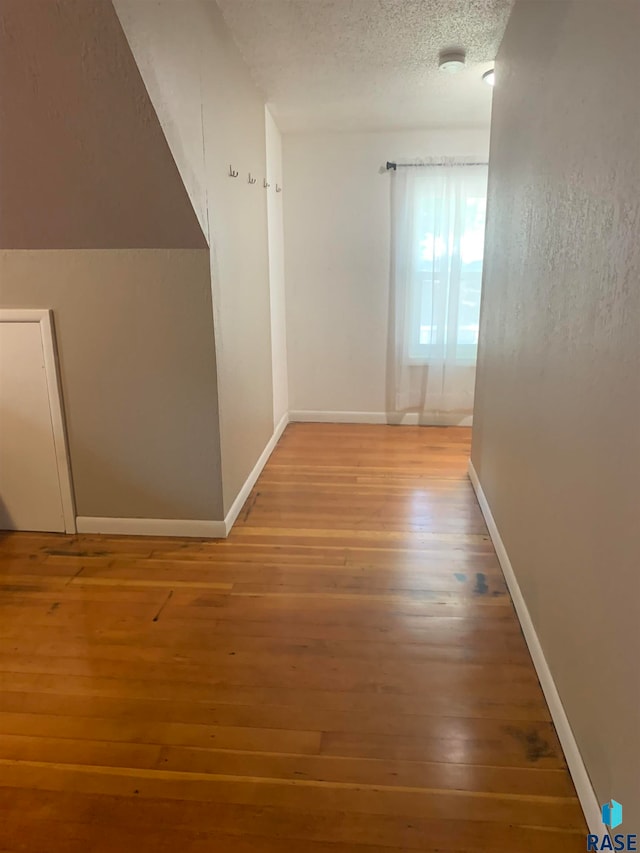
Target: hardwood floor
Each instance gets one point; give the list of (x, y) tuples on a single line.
[(344, 673)]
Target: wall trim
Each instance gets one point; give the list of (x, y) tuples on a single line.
[(151, 526), (44, 317), (250, 482), (395, 418), (579, 773), (199, 528)]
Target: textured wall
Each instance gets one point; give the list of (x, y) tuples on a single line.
[(137, 361), (337, 226), (213, 116), (556, 435), (84, 161)]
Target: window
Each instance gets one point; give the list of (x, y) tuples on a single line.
[(437, 244), (449, 218)]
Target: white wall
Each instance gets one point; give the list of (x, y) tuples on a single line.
[(213, 117), (336, 210), (276, 271), (556, 439)]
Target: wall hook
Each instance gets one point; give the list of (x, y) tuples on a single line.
[(265, 184), (232, 174), (252, 180), (278, 189)]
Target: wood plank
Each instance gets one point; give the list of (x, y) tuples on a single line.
[(277, 671), (408, 737), (137, 816), (305, 795), (434, 703), (211, 646), (530, 781)]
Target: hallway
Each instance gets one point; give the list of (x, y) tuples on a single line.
[(344, 673)]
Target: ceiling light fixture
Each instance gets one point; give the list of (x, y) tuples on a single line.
[(451, 61), (489, 77)]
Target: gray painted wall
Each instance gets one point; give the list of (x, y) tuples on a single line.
[(138, 370), (213, 117), (87, 183), (85, 163), (556, 427)]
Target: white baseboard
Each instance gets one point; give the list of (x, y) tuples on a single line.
[(184, 526), (151, 526), (250, 482), (579, 774), (396, 418)]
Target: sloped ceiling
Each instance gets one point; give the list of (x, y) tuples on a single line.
[(369, 64)]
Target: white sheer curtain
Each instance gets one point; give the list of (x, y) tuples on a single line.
[(437, 242)]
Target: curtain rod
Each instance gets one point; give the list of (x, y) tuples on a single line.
[(394, 166)]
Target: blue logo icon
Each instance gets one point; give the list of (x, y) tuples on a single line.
[(612, 814), (612, 817)]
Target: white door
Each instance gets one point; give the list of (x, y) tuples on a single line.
[(34, 483)]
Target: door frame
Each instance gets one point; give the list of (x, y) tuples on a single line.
[(44, 317)]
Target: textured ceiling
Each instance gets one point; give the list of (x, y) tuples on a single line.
[(368, 64)]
